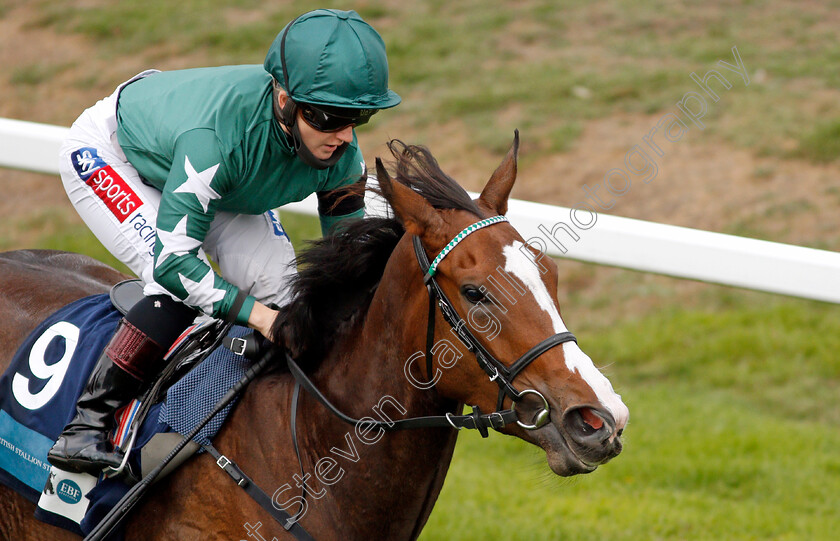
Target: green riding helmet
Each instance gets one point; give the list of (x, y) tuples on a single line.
[(333, 58)]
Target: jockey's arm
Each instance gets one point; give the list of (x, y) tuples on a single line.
[(337, 206), (188, 205), (261, 319)]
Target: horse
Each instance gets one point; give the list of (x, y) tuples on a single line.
[(359, 324)]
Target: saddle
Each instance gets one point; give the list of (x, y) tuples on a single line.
[(192, 347)]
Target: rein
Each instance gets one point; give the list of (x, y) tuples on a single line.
[(476, 420)]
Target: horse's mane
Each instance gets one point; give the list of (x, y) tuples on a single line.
[(416, 168), (339, 273)]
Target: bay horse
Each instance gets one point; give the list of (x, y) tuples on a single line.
[(358, 325)]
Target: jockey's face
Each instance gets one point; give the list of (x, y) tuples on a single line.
[(320, 144)]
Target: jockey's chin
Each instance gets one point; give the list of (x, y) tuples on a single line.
[(322, 145)]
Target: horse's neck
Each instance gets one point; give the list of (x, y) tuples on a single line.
[(372, 357), (404, 470), (399, 474)]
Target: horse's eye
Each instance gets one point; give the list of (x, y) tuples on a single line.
[(472, 294)]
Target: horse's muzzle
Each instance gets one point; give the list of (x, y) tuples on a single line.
[(591, 434)]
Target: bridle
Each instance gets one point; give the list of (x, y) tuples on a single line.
[(497, 371)]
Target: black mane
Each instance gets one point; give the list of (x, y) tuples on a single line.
[(338, 274), (337, 277), (418, 169)]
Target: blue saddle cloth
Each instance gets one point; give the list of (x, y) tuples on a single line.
[(38, 394)]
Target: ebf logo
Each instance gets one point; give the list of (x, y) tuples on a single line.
[(68, 491)]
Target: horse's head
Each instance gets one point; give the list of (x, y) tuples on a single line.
[(506, 300)]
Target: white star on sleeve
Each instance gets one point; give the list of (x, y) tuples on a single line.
[(176, 243), (202, 294), (198, 184)]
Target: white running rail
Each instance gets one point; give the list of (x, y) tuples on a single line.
[(612, 240)]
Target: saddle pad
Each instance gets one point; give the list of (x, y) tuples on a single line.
[(38, 394)]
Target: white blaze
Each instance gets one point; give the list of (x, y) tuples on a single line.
[(527, 272)]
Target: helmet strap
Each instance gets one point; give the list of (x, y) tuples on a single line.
[(287, 115)]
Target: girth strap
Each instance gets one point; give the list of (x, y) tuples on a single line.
[(258, 495)]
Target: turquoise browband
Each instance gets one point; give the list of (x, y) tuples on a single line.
[(461, 236)]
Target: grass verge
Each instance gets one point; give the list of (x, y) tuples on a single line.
[(733, 436)]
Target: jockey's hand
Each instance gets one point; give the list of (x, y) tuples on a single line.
[(261, 319)]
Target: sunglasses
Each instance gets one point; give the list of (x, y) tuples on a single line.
[(333, 119)]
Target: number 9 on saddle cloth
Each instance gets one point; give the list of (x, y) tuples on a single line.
[(39, 391)]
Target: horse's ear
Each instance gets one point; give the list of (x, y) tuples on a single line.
[(498, 188), (416, 214)]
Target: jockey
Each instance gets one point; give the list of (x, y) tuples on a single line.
[(175, 167)]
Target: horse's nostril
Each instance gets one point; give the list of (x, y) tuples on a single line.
[(591, 419), (585, 423)]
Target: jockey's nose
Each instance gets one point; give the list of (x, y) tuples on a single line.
[(345, 134)]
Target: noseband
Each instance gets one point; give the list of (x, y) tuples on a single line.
[(498, 372)]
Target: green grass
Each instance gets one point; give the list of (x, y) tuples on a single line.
[(822, 143), (733, 436), (55, 229), (300, 228), (34, 75)]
